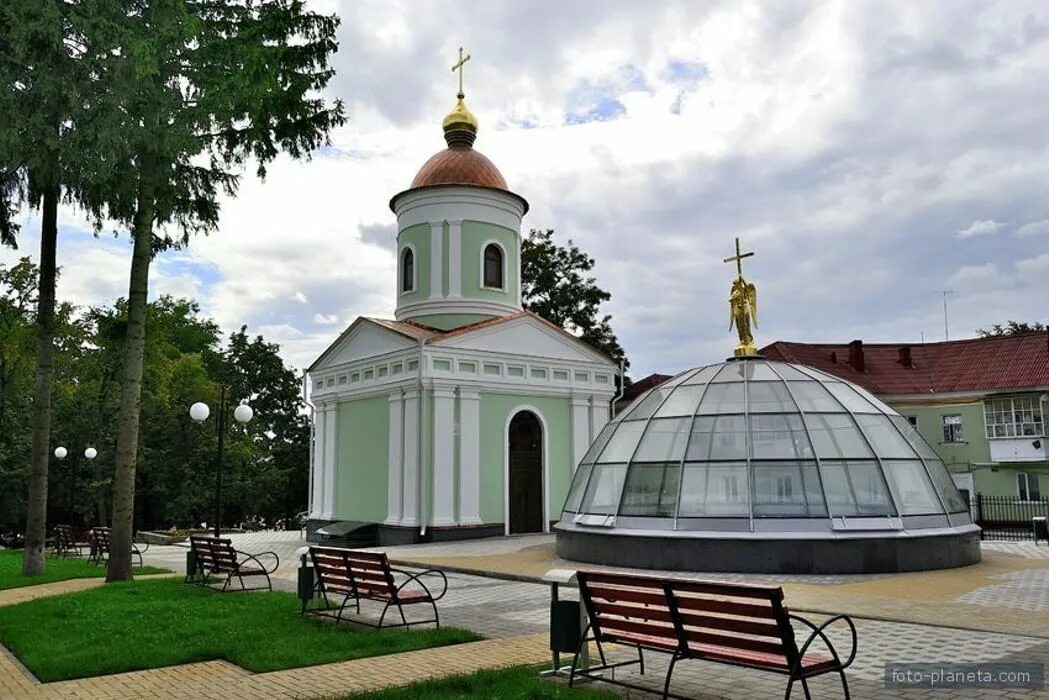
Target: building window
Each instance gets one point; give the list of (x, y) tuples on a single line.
[(1027, 487), (952, 429), (1015, 417), (407, 271), (493, 266)]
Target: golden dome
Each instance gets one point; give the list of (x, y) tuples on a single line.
[(460, 116)]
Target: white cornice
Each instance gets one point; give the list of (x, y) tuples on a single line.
[(454, 306), (463, 203)]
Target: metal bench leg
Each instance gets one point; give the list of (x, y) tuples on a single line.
[(575, 660), (670, 672), (436, 615), (844, 683), (641, 659), (805, 687)]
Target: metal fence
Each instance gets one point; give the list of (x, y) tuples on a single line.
[(1005, 518)]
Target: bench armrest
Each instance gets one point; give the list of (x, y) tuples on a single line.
[(417, 579), (818, 632), (255, 558), (140, 547)]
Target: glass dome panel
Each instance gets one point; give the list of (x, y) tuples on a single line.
[(850, 399), (664, 440), (718, 437), (575, 492), (946, 487), (704, 375), (788, 372), (760, 372), (651, 489), (602, 493), (623, 442), (769, 397), (855, 488), (775, 436), (731, 372), (648, 403), (835, 435), (914, 438), (885, 438), (911, 487), (813, 397), (714, 490), (599, 443), (722, 398), (783, 489), (682, 402)]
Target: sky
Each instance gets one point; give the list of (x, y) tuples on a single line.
[(872, 154)]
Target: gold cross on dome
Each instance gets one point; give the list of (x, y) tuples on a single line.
[(738, 257), (459, 67)]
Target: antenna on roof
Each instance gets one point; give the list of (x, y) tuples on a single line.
[(946, 328)]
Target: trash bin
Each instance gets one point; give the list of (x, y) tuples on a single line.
[(564, 626), (1041, 529), (191, 564), (305, 587)]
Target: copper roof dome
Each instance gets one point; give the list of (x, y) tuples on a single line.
[(458, 165)]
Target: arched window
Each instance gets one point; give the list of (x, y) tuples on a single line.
[(407, 270), (493, 266)]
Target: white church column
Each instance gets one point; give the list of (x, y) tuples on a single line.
[(436, 259), (455, 258), (330, 435), (580, 428), (395, 461), (410, 480), (598, 415), (443, 456), (317, 468), (469, 458)]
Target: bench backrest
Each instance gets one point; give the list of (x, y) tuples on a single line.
[(64, 535), (737, 619), (622, 607), (100, 537), (354, 572), (214, 553)]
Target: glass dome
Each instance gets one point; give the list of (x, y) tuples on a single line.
[(754, 439)]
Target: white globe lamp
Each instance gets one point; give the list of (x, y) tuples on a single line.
[(199, 412), (61, 452), (243, 413), (91, 453)]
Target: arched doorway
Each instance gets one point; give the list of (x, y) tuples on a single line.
[(525, 490)]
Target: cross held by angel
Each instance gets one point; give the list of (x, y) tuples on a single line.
[(743, 306)]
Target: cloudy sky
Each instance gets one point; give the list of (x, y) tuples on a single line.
[(872, 154)]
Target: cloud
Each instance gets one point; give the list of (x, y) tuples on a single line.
[(1034, 228), (1034, 270), (981, 227), (850, 145)]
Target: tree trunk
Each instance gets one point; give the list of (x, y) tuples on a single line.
[(36, 505), (131, 390)]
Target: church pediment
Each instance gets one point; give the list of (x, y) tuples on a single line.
[(525, 335), (364, 338)]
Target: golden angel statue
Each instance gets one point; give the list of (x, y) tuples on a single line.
[(743, 304)]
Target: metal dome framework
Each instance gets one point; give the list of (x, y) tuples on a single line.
[(763, 451)]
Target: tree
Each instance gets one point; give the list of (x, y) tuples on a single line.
[(555, 285), (45, 63), (202, 88), (1010, 328)]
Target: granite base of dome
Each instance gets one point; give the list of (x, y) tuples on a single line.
[(865, 555)]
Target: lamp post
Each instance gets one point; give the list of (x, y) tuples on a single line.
[(242, 414), (60, 454), (89, 454)]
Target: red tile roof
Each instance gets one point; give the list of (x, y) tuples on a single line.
[(642, 385), (978, 364)]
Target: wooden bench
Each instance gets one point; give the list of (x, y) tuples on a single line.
[(65, 543), (98, 540), (213, 556), (355, 576), (726, 623)]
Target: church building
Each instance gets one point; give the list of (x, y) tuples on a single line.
[(464, 415)]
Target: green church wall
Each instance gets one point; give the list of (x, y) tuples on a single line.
[(475, 235), (419, 238), (495, 412), (363, 458)]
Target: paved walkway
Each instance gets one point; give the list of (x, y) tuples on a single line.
[(513, 614)]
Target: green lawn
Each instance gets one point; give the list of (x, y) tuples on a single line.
[(58, 569), (518, 683), (147, 624)]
